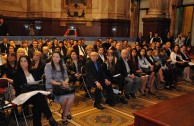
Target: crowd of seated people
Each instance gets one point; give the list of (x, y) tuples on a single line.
[(140, 66)]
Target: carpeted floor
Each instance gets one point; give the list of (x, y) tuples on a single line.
[(84, 114)]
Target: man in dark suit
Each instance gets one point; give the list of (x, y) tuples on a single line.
[(106, 45), (33, 49), (25, 46), (4, 46), (46, 55), (150, 37), (97, 78), (188, 39), (140, 38), (80, 50), (168, 48), (126, 70), (117, 52)]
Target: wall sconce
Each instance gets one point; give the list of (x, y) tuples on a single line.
[(38, 27), (72, 27), (26, 26), (114, 29)]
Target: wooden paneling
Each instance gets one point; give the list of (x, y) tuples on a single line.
[(159, 25), (53, 27)]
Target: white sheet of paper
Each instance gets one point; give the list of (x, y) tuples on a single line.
[(191, 63), (34, 82), (20, 99), (116, 75)]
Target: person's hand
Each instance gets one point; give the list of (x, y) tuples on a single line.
[(65, 84), (107, 82), (138, 71), (157, 63), (180, 62), (132, 76), (169, 60), (99, 86), (77, 75)]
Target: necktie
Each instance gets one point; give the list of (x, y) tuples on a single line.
[(96, 65)]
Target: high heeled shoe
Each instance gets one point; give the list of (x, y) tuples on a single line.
[(142, 92), (64, 121), (151, 93), (69, 116)]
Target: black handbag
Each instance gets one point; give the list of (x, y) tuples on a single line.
[(2, 100), (60, 90), (32, 87)]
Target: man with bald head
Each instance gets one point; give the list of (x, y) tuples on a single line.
[(95, 77), (126, 70)]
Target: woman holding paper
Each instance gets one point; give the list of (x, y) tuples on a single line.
[(25, 75)]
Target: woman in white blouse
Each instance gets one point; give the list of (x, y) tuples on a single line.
[(23, 76), (148, 69), (177, 60)]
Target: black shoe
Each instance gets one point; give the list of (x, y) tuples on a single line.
[(123, 100), (65, 122), (151, 93), (69, 117), (127, 96), (111, 104), (98, 106), (52, 122), (87, 95), (173, 86), (144, 94), (132, 95)]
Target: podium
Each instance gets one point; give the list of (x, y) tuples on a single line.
[(178, 111)]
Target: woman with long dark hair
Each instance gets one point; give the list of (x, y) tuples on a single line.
[(56, 74), (147, 68), (180, 63), (25, 75), (74, 65), (138, 72)]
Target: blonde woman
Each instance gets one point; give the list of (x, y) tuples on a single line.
[(20, 52)]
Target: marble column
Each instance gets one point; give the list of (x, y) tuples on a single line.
[(172, 15), (156, 20), (167, 8), (155, 9)]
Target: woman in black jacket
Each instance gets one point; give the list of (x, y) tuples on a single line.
[(23, 76)]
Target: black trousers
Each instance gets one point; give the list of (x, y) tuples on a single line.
[(109, 92), (40, 106)]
